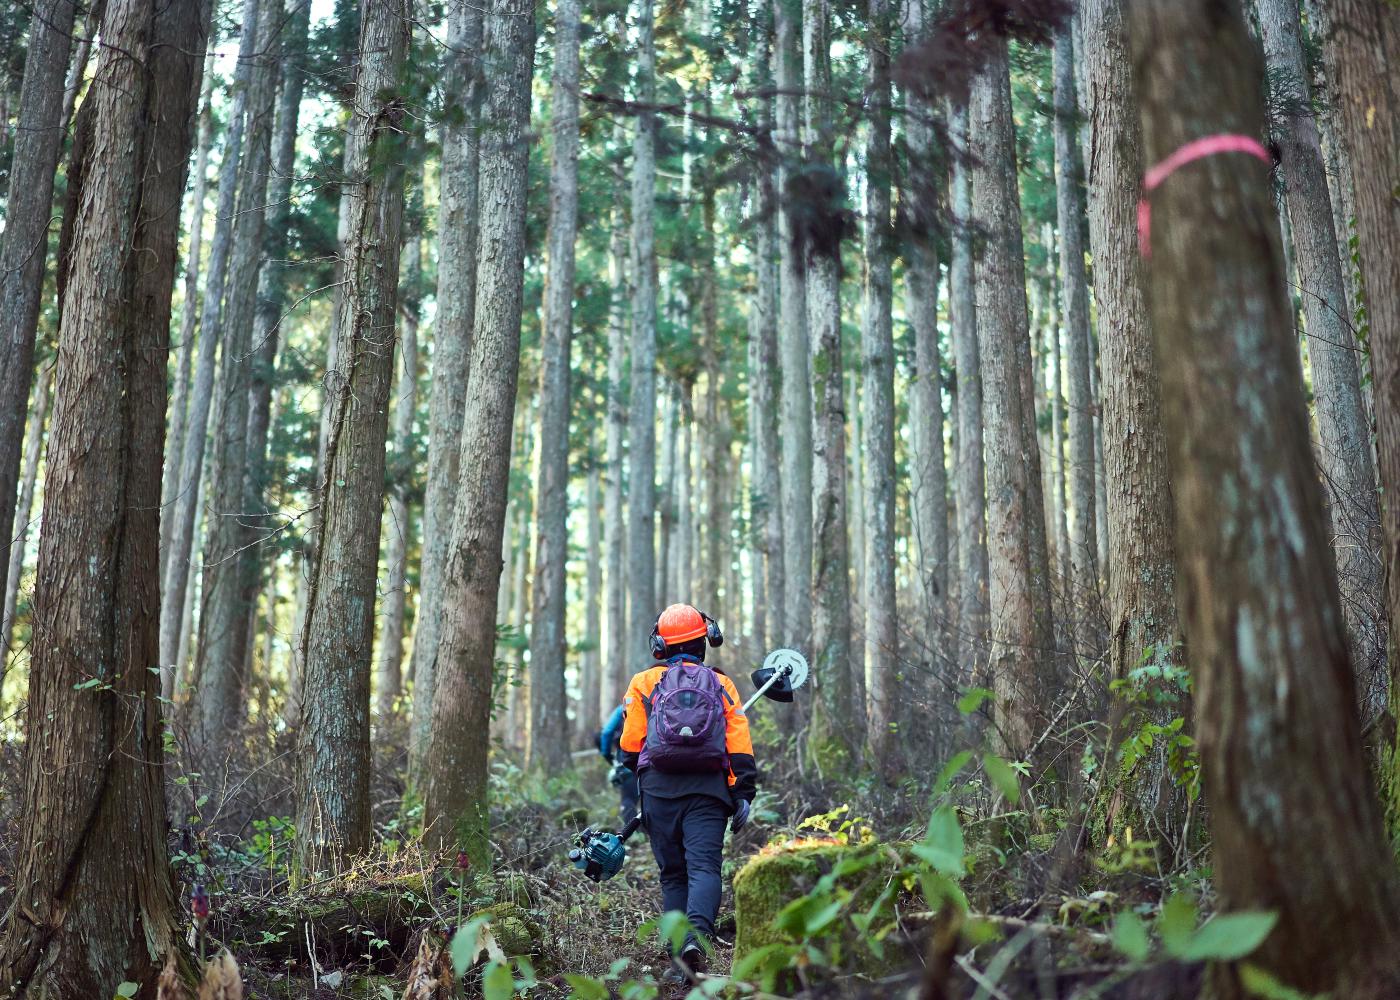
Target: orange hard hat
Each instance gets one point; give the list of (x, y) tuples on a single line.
[(680, 623)]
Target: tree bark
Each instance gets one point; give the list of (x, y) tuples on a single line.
[(1069, 201), (971, 469), (1142, 612), (641, 528), (225, 592), (211, 332), (547, 749), (765, 391), (458, 216), (455, 805), (795, 359), (1296, 828), (838, 718), (398, 526), (271, 300), (1344, 445), (25, 241), (95, 903), (1363, 58), (590, 680), (189, 313), (613, 682), (929, 462), (882, 665), (1059, 498), (33, 448), (1019, 591), (332, 786)]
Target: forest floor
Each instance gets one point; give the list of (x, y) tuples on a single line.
[(1027, 931)]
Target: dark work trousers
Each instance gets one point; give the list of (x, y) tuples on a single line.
[(687, 839), (630, 792)]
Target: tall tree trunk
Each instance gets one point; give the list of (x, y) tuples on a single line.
[(189, 313), (687, 542), (1020, 592), (794, 350), (641, 528), (1344, 446), (882, 666), (24, 242), (767, 506), (1341, 185), (272, 297), (455, 807), (929, 469), (548, 748), (1295, 824), (666, 488), (1141, 609), (33, 448), (398, 527), (590, 681), (971, 469), (855, 484), (612, 684), (1064, 572), (839, 719), (458, 218), (332, 783), (225, 592), (77, 67), (211, 332), (95, 822), (1363, 58)]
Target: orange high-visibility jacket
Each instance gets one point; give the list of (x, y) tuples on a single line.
[(743, 771)]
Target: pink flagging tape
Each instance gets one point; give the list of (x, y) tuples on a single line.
[(1195, 150)]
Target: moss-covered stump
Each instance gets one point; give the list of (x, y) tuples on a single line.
[(778, 875), (343, 920), (514, 929)]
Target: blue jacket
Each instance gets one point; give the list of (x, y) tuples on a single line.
[(611, 734)]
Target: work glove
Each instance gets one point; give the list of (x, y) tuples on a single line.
[(620, 775), (740, 819)]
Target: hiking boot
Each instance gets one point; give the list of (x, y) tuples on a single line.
[(692, 963)]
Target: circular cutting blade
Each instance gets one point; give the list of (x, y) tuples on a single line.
[(790, 661)]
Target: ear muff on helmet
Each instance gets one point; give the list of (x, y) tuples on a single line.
[(713, 635), (657, 644)]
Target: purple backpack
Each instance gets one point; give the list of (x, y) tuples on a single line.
[(685, 720)]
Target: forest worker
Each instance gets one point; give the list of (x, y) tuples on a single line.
[(686, 737), (620, 776)]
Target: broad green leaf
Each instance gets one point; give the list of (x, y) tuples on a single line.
[(498, 983), (673, 927), (942, 846), (1177, 924), (1263, 985), (818, 920), (951, 771), (1229, 936), (1003, 775), (1130, 936), (127, 990), (585, 987), (973, 699), (769, 957), (466, 945), (618, 967)]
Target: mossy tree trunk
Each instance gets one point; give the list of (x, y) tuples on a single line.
[(94, 903), (1294, 818)]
